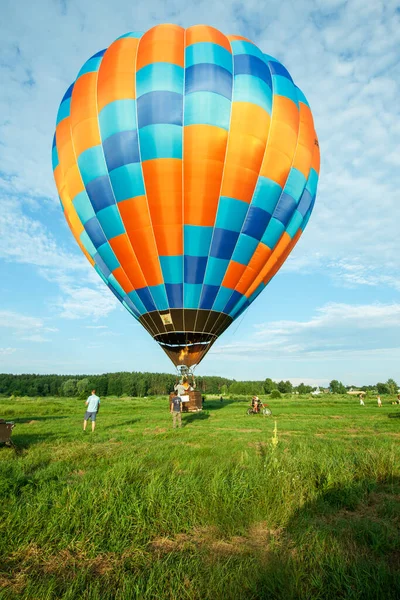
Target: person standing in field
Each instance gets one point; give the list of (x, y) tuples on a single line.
[(93, 405), (175, 409), (379, 401), (361, 401)]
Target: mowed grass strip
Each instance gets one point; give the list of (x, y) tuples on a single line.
[(214, 510)]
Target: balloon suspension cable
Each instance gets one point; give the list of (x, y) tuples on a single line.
[(240, 322)]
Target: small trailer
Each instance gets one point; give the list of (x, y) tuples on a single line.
[(6, 428)]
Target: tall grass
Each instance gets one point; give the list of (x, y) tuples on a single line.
[(213, 510)]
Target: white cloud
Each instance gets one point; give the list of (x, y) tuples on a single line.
[(307, 381), (84, 303), (19, 322), (354, 273), (7, 351), (35, 338), (335, 329), (24, 327), (96, 327), (24, 239)]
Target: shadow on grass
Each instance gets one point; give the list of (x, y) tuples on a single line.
[(117, 424), (216, 404), (345, 544), (194, 417), (22, 420), (23, 441)]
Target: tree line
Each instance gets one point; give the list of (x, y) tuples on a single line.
[(154, 384), (132, 384), (390, 387)]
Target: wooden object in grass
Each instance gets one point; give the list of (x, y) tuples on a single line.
[(5, 432), (195, 403)]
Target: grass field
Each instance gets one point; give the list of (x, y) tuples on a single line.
[(215, 510)]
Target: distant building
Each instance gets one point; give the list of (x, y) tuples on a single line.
[(316, 392)]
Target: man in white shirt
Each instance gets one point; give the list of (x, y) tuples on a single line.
[(93, 405)]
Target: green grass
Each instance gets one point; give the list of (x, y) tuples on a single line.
[(210, 511)]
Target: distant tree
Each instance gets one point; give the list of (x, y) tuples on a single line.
[(392, 386), (100, 384), (128, 384), (142, 386), (276, 394), (269, 385), (285, 387), (303, 389), (114, 384), (83, 386), (382, 388), (69, 387), (240, 388), (224, 389), (337, 387)]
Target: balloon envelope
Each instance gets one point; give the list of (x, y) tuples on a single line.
[(187, 164)]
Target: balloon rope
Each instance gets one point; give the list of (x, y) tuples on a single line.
[(240, 322)]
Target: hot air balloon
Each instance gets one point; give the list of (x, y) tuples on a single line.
[(187, 163)]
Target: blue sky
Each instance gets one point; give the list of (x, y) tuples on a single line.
[(333, 311)]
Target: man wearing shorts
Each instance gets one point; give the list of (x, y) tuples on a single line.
[(176, 410), (93, 405)]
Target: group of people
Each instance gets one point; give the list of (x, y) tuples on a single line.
[(362, 403), (181, 389)]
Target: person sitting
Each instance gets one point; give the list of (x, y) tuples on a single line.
[(255, 403)]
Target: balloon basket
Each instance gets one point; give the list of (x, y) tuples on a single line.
[(193, 403)]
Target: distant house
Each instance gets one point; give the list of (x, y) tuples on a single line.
[(316, 392)]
